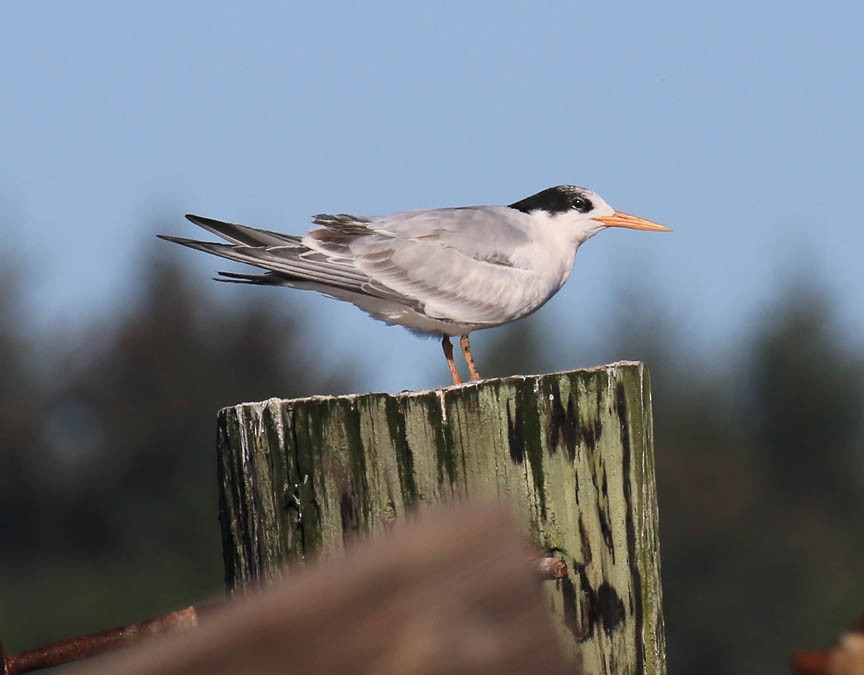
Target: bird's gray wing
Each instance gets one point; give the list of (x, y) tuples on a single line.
[(458, 264), (483, 233), (450, 264)]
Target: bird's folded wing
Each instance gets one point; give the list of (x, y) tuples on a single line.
[(449, 264), (457, 264), (448, 284)]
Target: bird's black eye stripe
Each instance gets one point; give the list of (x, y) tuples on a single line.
[(581, 204)]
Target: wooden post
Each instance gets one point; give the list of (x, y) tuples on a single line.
[(571, 453)]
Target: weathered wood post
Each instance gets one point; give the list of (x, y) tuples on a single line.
[(571, 452)]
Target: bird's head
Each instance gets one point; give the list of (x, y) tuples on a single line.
[(581, 211)]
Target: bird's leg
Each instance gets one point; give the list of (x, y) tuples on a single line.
[(448, 354), (466, 350)]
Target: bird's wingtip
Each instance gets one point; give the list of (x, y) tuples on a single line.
[(179, 240)]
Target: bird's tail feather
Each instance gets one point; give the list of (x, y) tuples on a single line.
[(255, 279), (242, 234)]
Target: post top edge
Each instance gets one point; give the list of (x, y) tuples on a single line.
[(352, 398)]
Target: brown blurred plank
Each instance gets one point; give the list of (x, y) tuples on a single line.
[(453, 593)]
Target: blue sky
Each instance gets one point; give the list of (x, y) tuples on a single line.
[(739, 124)]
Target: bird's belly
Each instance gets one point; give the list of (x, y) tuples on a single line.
[(492, 302)]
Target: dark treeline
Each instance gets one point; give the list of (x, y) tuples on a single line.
[(108, 487), (108, 494)]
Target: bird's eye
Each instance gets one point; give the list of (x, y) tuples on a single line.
[(579, 204)]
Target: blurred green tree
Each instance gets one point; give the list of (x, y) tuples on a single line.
[(20, 398), (808, 387), (108, 472)]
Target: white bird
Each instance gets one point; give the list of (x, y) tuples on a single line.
[(443, 272)]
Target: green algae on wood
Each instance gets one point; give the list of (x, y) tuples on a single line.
[(572, 453)]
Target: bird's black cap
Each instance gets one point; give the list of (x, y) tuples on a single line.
[(558, 199)]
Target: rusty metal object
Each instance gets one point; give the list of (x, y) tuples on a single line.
[(84, 646), (812, 662), (548, 568), (846, 657)]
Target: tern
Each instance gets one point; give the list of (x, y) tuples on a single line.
[(443, 272)]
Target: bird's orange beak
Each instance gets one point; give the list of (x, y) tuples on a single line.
[(620, 219)]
